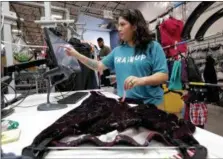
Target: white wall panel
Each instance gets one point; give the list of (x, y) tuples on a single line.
[(151, 10)]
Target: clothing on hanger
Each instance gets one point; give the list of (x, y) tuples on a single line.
[(84, 80), (198, 113), (170, 32), (173, 102), (210, 76), (170, 64), (195, 106), (184, 75), (194, 74), (175, 79)]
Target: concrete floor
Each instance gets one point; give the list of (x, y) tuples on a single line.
[(215, 116), (215, 119)]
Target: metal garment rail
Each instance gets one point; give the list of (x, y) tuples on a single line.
[(205, 84), (165, 13), (207, 43), (218, 35), (113, 148), (180, 43), (201, 84)]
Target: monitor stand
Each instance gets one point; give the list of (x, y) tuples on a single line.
[(50, 106), (56, 71)]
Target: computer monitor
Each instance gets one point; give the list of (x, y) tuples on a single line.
[(64, 65), (58, 54)]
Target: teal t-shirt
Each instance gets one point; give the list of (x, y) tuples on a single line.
[(125, 63)]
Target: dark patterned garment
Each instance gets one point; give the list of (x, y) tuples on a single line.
[(98, 115)]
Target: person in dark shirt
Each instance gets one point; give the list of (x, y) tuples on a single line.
[(105, 50)]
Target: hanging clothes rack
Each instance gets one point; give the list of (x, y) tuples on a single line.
[(218, 35), (205, 84), (179, 43), (207, 43), (211, 37), (168, 11), (202, 84)]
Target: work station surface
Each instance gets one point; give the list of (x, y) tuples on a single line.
[(32, 122)]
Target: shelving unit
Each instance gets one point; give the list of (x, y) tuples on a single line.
[(30, 81)]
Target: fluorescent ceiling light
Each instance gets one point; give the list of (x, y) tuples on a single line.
[(54, 16), (16, 31)]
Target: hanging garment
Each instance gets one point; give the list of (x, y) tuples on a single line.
[(104, 80), (198, 113), (211, 77), (84, 80), (170, 32), (173, 102), (99, 115), (158, 33), (192, 70), (186, 99), (175, 79), (184, 75), (170, 67)]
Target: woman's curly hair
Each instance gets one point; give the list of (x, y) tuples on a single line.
[(142, 36)]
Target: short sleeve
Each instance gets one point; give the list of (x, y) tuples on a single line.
[(108, 50), (108, 60), (159, 59)]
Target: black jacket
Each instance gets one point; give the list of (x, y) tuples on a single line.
[(84, 80), (211, 77)]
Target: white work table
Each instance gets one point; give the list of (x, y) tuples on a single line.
[(32, 122)]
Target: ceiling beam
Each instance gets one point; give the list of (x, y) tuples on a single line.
[(89, 4), (116, 6), (104, 5)]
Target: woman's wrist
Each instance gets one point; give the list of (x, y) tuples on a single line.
[(141, 81), (74, 53)]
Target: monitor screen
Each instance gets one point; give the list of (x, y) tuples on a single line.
[(60, 56)]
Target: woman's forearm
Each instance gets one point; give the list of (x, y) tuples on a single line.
[(90, 63), (156, 79)]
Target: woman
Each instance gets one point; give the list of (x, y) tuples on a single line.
[(139, 63)]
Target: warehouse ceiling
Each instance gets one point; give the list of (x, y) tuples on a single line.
[(32, 32)]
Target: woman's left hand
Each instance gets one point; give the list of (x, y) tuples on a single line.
[(131, 82)]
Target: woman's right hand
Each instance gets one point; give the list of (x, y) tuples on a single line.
[(70, 51)]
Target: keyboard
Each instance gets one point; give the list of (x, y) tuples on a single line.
[(73, 98)]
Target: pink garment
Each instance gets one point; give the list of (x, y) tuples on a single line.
[(170, 33)]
